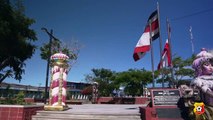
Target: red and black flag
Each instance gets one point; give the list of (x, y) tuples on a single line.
[(143, 44)]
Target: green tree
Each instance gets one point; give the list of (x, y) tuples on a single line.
[(134, 80), (104, 78), (16, 44), (20, 98), (9, 97), (181, 70), (71, 50)]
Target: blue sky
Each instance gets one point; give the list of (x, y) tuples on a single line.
[(108, 30)]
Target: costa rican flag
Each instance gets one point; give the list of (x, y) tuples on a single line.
[(166, 57), (143, 44)]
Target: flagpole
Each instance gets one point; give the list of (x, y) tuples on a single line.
[(170, 47), (152, 56), (160, 40)]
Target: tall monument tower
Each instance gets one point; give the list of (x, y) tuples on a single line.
[(58, 83)]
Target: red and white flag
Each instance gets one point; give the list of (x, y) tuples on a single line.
[(166, 57), (143, 44)]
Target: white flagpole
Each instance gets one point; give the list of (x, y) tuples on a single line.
[(152, 56), (170, 48), (160, 40)]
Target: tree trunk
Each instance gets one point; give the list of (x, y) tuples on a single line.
[(4, 76)]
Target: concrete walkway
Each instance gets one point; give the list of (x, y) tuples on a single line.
[(93, 112), (104, 109)]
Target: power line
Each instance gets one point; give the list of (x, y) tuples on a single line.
[(193, 14)]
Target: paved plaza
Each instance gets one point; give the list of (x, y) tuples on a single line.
[(104, 109), (93, 112)]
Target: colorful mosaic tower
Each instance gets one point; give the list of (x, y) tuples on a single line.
[(57, 92)]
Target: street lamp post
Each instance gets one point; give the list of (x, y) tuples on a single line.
[(48, 61)]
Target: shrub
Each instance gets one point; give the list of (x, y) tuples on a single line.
[(20, 98)]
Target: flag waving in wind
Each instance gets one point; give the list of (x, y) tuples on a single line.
[(166, 57), (143, 44)]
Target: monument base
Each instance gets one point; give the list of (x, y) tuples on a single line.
[(55, 108)]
